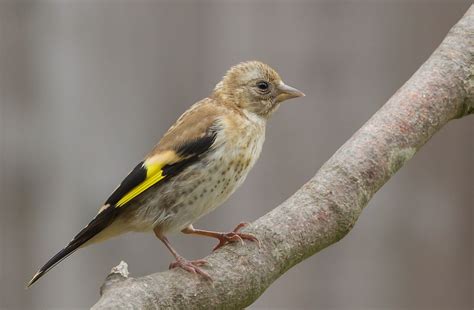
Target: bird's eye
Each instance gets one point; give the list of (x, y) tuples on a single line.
[(263, 86)]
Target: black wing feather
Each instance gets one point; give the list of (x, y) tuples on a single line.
[(197, 146), (192, 151), (134, 178)]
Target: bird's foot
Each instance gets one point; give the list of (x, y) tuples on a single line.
[(191, 266), (234, 236)]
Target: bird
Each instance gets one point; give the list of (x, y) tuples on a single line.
[(198, 163)]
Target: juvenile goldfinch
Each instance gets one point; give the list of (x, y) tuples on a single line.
[(197, 165)]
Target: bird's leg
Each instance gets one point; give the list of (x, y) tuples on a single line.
[(224, 238), (188, 265)]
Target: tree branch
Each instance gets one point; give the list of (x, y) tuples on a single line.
[(326, 208)]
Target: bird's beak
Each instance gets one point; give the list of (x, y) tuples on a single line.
[(287, 92)]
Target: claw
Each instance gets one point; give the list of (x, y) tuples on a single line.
[(191, 266), (240, 226), (234, 236)]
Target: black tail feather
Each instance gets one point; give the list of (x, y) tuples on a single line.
[(99, 223), (56, 259)]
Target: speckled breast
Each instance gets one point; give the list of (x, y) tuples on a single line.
[(203, 186)]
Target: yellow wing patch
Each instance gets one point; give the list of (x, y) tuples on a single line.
[(154, 174)]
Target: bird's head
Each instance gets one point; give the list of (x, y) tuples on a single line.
[(255, 87)]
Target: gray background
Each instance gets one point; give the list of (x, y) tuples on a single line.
[(87, 87)]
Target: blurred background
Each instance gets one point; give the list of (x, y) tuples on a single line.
[(88, 87)]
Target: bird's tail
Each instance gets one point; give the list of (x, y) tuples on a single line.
[(98, 224)]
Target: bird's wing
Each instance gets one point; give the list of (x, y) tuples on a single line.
[(160, 166), (193, 134)]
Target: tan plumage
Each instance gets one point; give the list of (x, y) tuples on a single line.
[(196, 166)]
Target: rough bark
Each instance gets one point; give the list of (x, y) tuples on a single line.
[(326, 208)]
